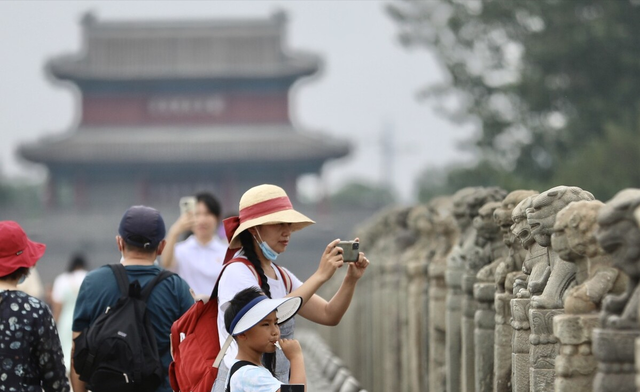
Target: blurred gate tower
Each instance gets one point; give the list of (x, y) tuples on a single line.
[(172, 107)]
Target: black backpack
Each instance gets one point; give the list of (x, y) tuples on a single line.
[(118, 352)]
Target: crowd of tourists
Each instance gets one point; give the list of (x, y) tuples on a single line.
[(136, 324)]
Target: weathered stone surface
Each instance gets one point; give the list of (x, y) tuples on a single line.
[(544, 349), (575, 365), (520, 344), (446, 235), (613, 344), (614, 351), (462, 266), (541, 217)]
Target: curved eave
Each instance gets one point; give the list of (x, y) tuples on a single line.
[(80, 72), (198, 146)]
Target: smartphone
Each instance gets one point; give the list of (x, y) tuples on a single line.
[(292, 388), (188, 204), (350, 250)]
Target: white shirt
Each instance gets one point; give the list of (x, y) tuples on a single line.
[(199, 265), (253, 379), (236, 278)]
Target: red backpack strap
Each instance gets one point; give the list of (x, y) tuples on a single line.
[(246, 262), (288, 285)]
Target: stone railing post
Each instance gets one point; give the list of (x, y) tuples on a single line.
[(520, 344), (576, 364), (484, 335)]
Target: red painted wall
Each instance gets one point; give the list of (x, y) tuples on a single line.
[(232, 108)]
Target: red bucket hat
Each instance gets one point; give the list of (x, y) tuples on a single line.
[(16, 250)]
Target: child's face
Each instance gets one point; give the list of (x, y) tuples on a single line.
[(263, 336)]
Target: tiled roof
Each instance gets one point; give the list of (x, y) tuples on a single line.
[(139, 50), (184, 145)]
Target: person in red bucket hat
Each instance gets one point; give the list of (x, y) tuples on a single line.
[(31, 354), (261, 231)]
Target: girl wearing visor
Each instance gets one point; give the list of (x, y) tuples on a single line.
[(259, 234), (252, 319)]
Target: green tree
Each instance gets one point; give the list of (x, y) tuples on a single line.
[(358, 194), (544, 80)]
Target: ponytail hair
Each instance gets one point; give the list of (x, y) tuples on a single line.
[(249, 250)]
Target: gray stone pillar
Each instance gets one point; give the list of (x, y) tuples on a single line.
[(453, 279), (614, 350), (484, 336), (437, 326), (520, 345), (544, 349), (575, 366), (502, 343), (467, 324)]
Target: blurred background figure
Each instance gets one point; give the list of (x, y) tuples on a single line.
[(32, 285), (63, 298), (198, 259)]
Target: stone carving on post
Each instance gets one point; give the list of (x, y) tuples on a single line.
[(489, 239), (445, 236), (415, 315), (521, 301), (502, 273), (453, 280), (466, 203), (574, 241), (398, 240), (613, 343), (561, 277)]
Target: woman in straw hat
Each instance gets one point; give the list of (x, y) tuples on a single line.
[(30, 350), (259, 234)]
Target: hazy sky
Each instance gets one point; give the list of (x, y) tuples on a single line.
[(368, 80)]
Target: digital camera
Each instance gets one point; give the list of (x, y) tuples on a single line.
[(350, 250)]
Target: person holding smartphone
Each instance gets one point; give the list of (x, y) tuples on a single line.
[(198, 259), (261, 232)]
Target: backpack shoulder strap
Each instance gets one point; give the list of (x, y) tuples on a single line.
[(243, 260), (288, 284), (236, 366), (146, 292), (121, 278)]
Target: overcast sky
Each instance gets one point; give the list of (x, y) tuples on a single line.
[(368, 80)]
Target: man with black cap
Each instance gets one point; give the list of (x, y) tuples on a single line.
[(140, 240)]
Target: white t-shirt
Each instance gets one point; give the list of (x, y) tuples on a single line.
[(253, 379), (236, 278), (199, 265)]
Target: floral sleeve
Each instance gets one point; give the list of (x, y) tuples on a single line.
[(49, 352)]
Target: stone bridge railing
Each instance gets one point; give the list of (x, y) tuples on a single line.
[(493, 291)]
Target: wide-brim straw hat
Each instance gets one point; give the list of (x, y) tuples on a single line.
[(16, 249), (263, 205)]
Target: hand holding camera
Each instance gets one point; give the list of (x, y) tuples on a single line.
[(350, 250)]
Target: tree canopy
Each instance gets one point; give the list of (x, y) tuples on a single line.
[(552, 84)]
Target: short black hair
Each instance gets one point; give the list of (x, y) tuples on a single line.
[(77, 261), (17, 274), (209, 200), (238, 302), (140, 249)]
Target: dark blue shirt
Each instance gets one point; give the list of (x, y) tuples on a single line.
[(168, 301)]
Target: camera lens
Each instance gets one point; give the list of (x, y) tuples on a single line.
[(356, 245)]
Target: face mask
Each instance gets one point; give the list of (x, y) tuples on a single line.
[(269, 253), (22, 279)]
